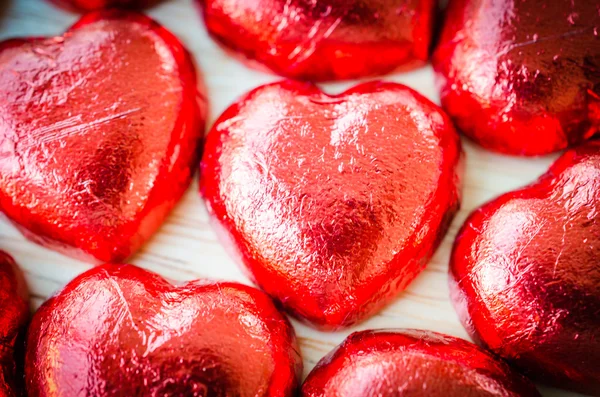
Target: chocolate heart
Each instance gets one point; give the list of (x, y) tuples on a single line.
[(324, 40), (120, 330), (525, 273), (94, 5), (521, 77), (334, 203), (14, 313), (412, 363), (98, 133)]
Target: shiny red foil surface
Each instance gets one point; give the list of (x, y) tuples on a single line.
[(326, 39), (395, 363), (334, 203), (14, 314), (99, 133), (525, 275), (123, 331), (521, 77), (96, 5)]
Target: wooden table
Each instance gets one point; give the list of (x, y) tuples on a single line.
[(186, 247)]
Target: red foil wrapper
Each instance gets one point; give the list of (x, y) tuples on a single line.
[(412, 363), (521, 77), (324, 40), (96, 5), (99, 133), (14, 314), (525, 275), (334, 203), (120, 330)]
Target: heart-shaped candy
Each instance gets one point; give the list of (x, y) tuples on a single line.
[(123, 331), (325, 39), (521, 77), (412, 363), (14, 313), (99, 130), (334, 203), (525, 273)]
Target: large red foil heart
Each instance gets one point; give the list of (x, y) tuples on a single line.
[(14, 314), (525, 273), (521, 77), (412, 363), (334, 203), (99, 130), (120, 330), (324, 40)]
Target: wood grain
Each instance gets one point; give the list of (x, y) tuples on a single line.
[(187, 248)]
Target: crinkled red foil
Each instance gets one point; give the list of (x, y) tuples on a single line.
[(412, 363), (99, 134), (334, 203), (521, 77), (14, 314), (325, 39), (525, 273), (120, 330)]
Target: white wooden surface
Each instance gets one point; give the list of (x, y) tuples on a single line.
[(186, 247)]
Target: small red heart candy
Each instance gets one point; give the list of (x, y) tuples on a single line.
[(412, 363), (334, 203), (324, 40), (96, 5), (521, 77), (14, 314), (99, 130), (123, 331), (525, 273)]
